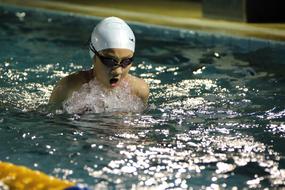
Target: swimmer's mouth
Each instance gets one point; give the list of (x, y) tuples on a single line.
[(113, 81)]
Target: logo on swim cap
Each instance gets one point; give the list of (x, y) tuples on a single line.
[(112, 32)]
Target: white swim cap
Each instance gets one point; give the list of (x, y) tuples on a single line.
[(112, 32)]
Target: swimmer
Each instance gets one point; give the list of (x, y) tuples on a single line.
[(112, 49)]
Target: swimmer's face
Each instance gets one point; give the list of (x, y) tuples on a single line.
[(112, 66)]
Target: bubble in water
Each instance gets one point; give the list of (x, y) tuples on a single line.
[(93, 98)]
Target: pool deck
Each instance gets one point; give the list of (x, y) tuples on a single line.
[(174, 13)]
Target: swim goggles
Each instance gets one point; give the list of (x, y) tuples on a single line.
[(111, 62)]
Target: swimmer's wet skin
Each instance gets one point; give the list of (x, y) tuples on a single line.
[(15, 177), (112, 50)]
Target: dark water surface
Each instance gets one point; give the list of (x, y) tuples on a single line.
[(216, 115)]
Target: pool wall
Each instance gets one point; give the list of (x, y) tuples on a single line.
[(153, 31)]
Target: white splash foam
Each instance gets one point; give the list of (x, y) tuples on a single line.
[(93, 98)]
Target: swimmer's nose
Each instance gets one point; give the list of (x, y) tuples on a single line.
[(117, 71)]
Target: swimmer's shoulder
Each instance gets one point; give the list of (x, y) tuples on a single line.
[(140, 87), (69, 84)]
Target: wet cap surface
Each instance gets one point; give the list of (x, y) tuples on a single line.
[(112, 32)]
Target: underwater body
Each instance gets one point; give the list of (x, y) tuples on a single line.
[(215, 117)]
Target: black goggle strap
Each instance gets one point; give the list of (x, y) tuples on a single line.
[(92, 48)]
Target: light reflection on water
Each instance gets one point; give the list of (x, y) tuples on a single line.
[(214, 120)]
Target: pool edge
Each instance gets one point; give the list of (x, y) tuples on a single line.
[(204, 25)]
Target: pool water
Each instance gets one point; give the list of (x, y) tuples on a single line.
[(93, 98), (216, 114)]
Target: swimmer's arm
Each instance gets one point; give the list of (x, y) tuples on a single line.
[(60, 92), (67, 86), (142, 90)]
